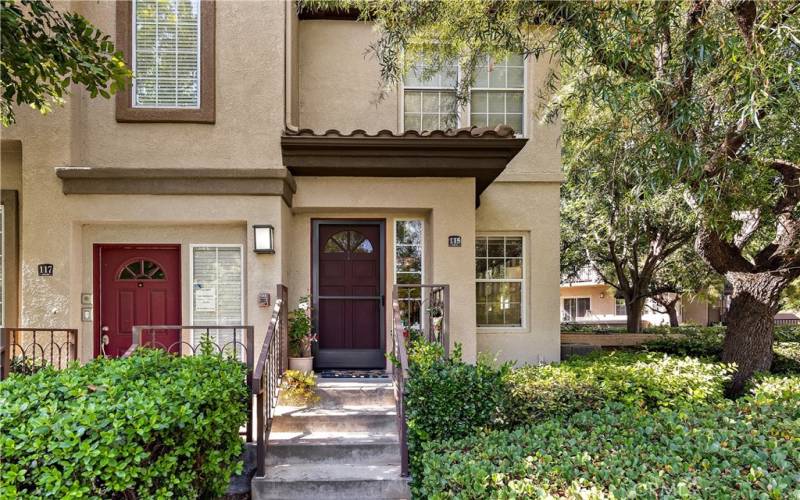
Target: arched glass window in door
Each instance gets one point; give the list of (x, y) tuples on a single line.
[(348, 241), (141, 269)]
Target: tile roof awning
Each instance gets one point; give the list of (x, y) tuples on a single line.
[(480, 153)]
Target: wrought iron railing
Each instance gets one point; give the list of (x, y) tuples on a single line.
[(231, 340), (267, 375), (26, 350), (425, 311), (422, 310)]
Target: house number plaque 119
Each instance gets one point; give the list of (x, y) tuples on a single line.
[(45, 269)]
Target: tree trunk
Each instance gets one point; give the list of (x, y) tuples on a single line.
[(672, 310), (748, 341), (633, 309)]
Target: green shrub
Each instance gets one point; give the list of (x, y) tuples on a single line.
[(447, 398), (297, 388), (787, 358), (787, 333), (744, 449), (149, 426), (588, 328), (646, 380), (697, 342)]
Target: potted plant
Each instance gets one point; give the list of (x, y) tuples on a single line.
[(301, 337)]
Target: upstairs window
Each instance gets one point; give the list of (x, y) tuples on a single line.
[(497, 97), (169, 46), (498, 94), (430, 100)]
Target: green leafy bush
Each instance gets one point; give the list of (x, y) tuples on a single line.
[(149, 426), (787, 333), (447, 398), (787, 358), (589, 328), (744, 449), (645, 380)]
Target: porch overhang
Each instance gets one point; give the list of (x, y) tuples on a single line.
[(478, 153)]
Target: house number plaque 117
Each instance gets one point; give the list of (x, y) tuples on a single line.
[(45, 269)]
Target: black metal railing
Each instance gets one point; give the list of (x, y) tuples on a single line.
[(235, 341), (267, 375), (425, 311), (25, 350), (416, 310)]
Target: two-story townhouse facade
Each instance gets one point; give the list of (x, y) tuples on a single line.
[(253, 149)]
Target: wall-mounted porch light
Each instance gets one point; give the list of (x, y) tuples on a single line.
[(263, 239)]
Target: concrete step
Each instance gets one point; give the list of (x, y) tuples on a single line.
[(335, 393), (341, 481), (331, 448), (375, 420)]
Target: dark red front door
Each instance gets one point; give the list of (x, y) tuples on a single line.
[(138, 285), (349, 284)]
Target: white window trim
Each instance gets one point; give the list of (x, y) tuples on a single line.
[(463, 118), (394, 247), (575, 297), (525, 280), (199, 56), (191, 282), (422, 253)]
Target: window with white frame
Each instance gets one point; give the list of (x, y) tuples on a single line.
[(576, 307), (429, 101), (500, 281), (498, 94), (217, 293), (408, 270), (166, 53), (619, 306)]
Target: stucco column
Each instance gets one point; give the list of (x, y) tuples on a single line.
[(455, 266)]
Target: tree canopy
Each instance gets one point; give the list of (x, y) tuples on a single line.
[(45, 50)]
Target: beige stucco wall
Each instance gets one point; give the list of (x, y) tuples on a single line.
[(520, 208), (339, 84)]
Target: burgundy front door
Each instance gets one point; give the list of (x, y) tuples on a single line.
[(348, 293), (137, 285)]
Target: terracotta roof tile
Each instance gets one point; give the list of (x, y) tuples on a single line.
[(499, 132)]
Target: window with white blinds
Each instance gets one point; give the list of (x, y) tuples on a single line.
[(166, 53), (217, 292)]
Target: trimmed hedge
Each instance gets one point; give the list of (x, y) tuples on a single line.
[(641, 380), (152, 425), (449, 399), (707, 343), (744, 449)]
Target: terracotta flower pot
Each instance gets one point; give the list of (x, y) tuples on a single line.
[(301, 364)]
